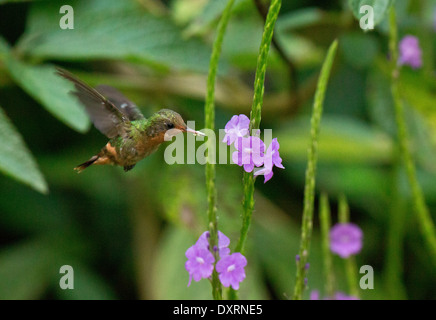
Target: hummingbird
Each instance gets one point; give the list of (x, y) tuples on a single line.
[(132, 136)]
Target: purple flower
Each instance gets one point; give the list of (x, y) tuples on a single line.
[(223, 242), (237, 127), (314, 295), (249, 153), (343, 296), (345, 239), (231, 270), (200, 263), (410, 52), (271, 159), (434, 19)]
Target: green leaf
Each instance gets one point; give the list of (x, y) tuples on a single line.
[(380, 7), (359, 49), (342, 140), (88, 285), (51, 91), (6, 1), (24, 271), (299, 19), (15, 159), (111, 30), (4, 46), (418, 94), (169, 276), (210, 13)]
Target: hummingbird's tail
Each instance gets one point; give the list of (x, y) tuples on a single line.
[(86, 164)]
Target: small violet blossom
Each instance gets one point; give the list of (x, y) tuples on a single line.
[(271, 159), (236, 128), (199, 264), (343, 296), (345, 239), (250, 153), (231, 270), (434, 20), (314, 295), (410, 52), (223, 243)]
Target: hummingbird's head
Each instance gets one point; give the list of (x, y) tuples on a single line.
[(169, 123)]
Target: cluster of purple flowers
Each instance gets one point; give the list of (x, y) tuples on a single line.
[(250, 150), (410, 52), (201, 261)]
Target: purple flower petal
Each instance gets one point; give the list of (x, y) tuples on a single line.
[(224, 252), (343, 296), (410, 52), (231, 270), (268, 176), (236, 128), (203, 240), (271, 159), (249, 167), (223, 240), (250, 153), (345, 239), (200, 263), (314, 295)]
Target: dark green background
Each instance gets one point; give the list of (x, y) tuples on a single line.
[(125, 234)]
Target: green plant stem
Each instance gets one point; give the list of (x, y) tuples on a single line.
[(343, 209), (394, 249), (350, 262), (325, 222), (309, 189), (281, 52), (209, 111), (425, 222), (255, 117)]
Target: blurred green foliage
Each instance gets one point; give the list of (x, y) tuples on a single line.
[(125, 234)]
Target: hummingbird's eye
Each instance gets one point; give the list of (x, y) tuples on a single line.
[(170, 125)]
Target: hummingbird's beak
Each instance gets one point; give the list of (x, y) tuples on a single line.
[(195, 133)]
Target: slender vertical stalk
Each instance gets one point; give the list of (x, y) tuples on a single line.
[(255, 116), (309, 190), (281, 52), (395, 236), (325, 222), (209, 111), (425, 222), (350, 262)]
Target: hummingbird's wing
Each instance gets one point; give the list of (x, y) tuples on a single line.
[(103, 113), (121, 102)]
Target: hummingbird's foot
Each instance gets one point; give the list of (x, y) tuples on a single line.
[(127, 168)]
